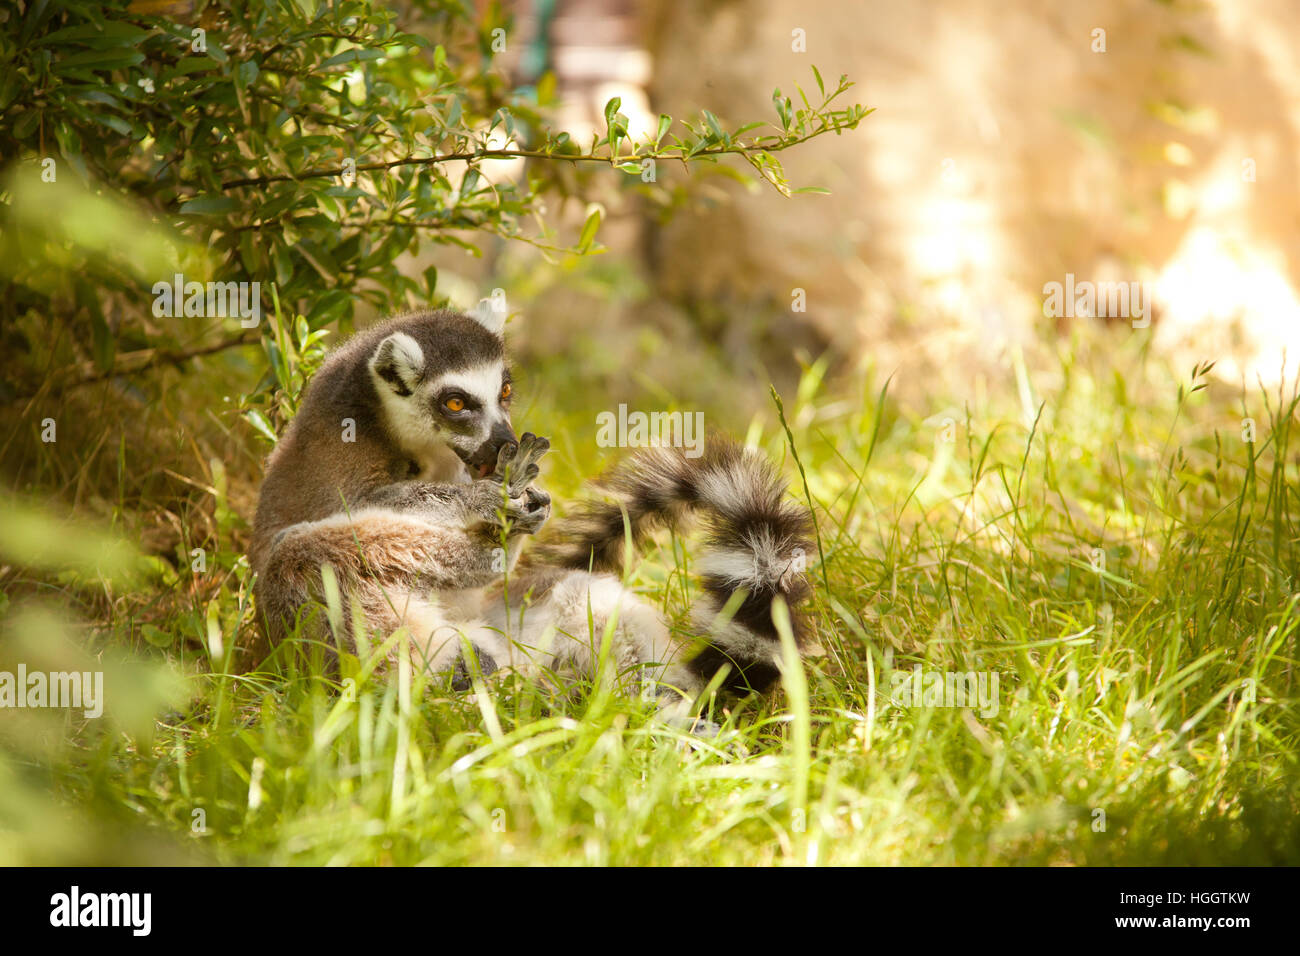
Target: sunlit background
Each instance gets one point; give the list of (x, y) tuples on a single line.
[(1012, 144)]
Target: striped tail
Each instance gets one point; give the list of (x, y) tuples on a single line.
[(756, 542)]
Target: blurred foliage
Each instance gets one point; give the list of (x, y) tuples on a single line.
[(301, 145), (39, 746)]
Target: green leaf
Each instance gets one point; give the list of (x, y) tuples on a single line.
[(97, 36), (320, 259), (115, 59), (611, 110), (283, 264), (546, 87), (188, 65), (273, 207), (589, 228), (26, 124), (36, 14), (99, 97), (115, 123), (250, 253), (8, 89), (334, 304), (156, 636), (782, 104), (351, 56), (715, 126), (209, 206), (665, 122)]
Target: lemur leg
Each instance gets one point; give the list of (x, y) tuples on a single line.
[(557, 622)]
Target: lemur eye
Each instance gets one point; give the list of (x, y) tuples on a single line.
[(454, 404), (505, 391)]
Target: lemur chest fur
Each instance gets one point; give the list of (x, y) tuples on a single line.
[(440, 465)]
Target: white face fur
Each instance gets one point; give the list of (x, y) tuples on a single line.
[(450, 423)]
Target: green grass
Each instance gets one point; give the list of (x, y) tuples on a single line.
[(1099, 535)]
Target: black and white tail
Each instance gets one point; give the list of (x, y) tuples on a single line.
[(756, 542)]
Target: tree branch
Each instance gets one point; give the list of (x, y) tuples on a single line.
[(131, 363), (474, 155)]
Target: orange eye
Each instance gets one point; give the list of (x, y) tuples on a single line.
[(505, 391), (454, 404)]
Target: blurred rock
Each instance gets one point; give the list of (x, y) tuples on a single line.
[(1011, 145)]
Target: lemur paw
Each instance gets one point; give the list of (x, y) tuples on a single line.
[(510, 496), (517, 462), (529, 512)]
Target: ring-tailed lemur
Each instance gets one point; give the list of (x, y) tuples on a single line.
[(401, 472)]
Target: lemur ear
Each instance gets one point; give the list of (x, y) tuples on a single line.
[(490, 313), (399, 361)]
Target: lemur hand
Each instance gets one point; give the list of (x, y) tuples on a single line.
[(517, 463), (524, 507)]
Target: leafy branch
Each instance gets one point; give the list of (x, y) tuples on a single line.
[(308, 147), (707, 142)]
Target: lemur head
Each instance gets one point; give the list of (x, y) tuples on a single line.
[(443, 383)]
